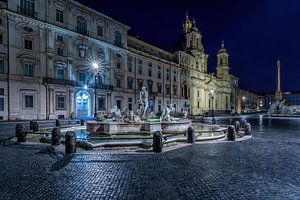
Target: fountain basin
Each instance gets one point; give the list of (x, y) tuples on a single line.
[(112, 128)]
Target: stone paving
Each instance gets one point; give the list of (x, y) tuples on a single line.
[(264, 167)]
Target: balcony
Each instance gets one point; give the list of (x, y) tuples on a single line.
[(75, 83), (27, 12), (82, 31)]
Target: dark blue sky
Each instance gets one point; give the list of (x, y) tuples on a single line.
[(255, 32)]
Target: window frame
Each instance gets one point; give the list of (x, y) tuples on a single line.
[(59, 103), (59, 16), (25, 69), (31, 104)]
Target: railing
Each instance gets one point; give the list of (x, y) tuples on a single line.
[(82, 31), (75, 83), (27, 12)]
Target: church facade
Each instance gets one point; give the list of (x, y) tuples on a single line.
[(47, 52)]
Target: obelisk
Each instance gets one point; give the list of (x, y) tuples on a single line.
[(278, 95)]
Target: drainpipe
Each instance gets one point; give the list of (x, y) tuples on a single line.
[(8, 72)]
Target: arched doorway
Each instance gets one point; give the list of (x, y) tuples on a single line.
[(82, 100)]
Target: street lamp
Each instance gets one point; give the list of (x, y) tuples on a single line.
[(212, 102), (244, 106), (95, 68)]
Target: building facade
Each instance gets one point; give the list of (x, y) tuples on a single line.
[(47, 48)]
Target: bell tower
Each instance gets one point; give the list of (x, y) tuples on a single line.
[(223, 63), (192, 37)]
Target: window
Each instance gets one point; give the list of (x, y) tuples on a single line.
[(140, 70), (175, 77), (159, 74), (1, 23), (28, 69), (1, 104), (174, 90), (59, 16), (129, 66), (168, 89), (118, 65), (60, 51), (118, 82), (150, 72), (118, 39), (1, 66), (130, 83), (60, 73), (140, 83), (159, 88), (101, 103), (130, 103), (119, 104), (1, 91), (198, 93), (82, 76), (100, 31), (198, 104), (28, 44), (28, 101), (81, 25), (101, 79), (59, 38), (27, 8), (150, 84), (60, 102), (1, 39)]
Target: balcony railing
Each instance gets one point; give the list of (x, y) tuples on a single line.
[(75, 83), (82, 31), (27, 12)]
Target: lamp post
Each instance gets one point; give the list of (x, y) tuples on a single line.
[(244, 106), (212, 102), (95, 68)]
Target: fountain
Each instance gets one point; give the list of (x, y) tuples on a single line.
[(127, 121), (279, 107)]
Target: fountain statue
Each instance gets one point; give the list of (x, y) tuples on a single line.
[(166, 116), (144, 103), (126, 121), (117, 115)]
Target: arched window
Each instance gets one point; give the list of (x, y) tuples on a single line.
[(118, 39), (81, 25)]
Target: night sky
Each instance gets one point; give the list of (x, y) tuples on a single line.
[(255, 32)]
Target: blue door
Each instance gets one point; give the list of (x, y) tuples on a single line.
[(82, 104)]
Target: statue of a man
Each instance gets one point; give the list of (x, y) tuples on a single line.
[(144, 101)]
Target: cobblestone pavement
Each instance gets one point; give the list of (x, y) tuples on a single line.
[(265, 167)]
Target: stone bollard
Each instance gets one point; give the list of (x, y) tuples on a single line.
[(55, 136), (57, 123), (213, 121), (18, 128), (31, 125), (248, 129), (157, 142), (21, 133), (81, 122), (70, 142), (35, 127), (191, 135), (231, 133), (237, 126)]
